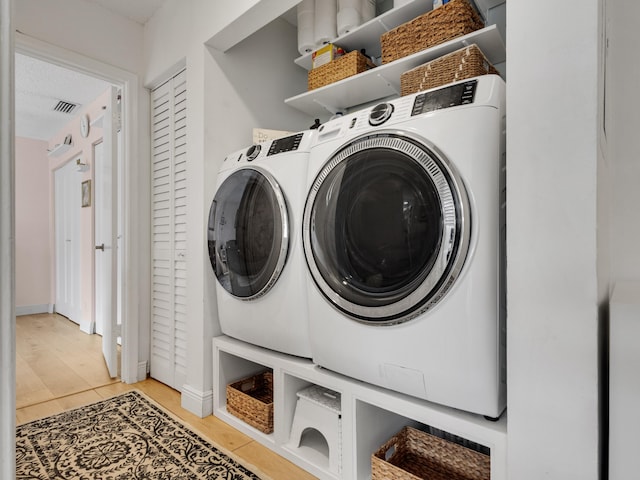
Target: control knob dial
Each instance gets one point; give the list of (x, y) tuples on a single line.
[(380, 114), (252, 152)]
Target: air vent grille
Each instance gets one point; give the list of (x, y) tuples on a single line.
[(65, 107)]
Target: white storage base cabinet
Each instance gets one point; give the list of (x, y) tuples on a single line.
[(370, 415)]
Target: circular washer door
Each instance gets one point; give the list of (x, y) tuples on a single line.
[(386, 228), (248, 233)]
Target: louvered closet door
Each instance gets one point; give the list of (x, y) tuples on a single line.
[(169, 230)]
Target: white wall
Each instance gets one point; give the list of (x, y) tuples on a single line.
[(552, 243), (33, 253), (228, 94), (623, 138), (623, 144), (83, 27)]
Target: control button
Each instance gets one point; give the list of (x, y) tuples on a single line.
[(468, 92), (380, 114), (253, 152), (418, 104)]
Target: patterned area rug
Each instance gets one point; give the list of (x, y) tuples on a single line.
[(125, 437)]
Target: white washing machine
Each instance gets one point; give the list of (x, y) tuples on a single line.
[(403, 233), (255, 249)]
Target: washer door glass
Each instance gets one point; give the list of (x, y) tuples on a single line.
[(385, 228), (248, 233)]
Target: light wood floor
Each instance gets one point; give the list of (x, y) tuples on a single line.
[(58, 367)]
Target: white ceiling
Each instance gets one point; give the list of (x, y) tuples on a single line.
[(137, 10), (40, 85)]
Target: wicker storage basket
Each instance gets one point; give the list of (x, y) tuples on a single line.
[(449, 21), (251, 400), (346, 66), (464, 63), (417, 455)]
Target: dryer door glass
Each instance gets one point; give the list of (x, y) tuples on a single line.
[(248, 233), (384, 228)]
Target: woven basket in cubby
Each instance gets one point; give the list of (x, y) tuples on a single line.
[(416, 455), (251, 400)]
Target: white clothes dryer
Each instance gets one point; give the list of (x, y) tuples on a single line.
[(403, 234), (254, 241)]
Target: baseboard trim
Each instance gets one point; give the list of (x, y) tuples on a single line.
[(197, 402), (34, 309), (143, 371)]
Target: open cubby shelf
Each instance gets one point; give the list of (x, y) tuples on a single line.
[(370, 415)]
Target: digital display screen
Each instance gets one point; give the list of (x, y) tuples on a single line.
[(285, 144), (460, 94)]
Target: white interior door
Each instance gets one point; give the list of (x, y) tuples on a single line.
[(67, 195), (106, 217), (169, 232)]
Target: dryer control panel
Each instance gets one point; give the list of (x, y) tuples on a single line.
[(459, 94), (286, 144)]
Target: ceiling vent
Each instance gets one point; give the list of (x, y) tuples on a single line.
[(65, 107)]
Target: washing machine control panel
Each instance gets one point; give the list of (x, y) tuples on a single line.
[(286, 144), (459, 94)]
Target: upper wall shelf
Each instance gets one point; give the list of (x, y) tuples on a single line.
[(367, 35), (61, 148), (384, 81)]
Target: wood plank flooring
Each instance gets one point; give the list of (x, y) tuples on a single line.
[(58, 367)]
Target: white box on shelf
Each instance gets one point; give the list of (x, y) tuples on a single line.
[(264, 135)]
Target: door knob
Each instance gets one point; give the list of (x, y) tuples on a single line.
[(100, 247)]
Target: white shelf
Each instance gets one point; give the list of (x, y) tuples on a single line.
[(370, 415), (384, 81), (61, 148), (367, 35)]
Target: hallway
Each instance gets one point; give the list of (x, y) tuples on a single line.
[(58, 368), (55, 359)]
